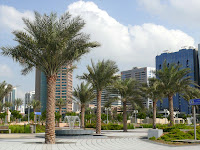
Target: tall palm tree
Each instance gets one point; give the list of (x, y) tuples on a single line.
[(1, 106), (100, 76), (4, 89), (49, 43), (36, 104), (154, 91), (129, 90), (174, 80), (84, 93), (18, 102), (60, 103)]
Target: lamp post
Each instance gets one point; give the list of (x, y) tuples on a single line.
[(28, 113), (165, 110), (135, 112), (107, 114)]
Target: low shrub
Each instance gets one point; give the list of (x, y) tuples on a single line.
[(152, 138), (176, 134), (110, 126), (25, 129)]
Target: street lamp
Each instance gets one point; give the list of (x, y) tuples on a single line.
[(165, 110), (107, 113), (135, 112)]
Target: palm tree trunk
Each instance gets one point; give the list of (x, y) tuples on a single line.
[(17, 108), (98, 124), (171, 109), (60, 119), (50, 108), (154, 114), (124, 116), (82, 116)]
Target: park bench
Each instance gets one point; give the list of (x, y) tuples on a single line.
[(5, 128)]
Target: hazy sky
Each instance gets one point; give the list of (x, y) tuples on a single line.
[(131, 32)]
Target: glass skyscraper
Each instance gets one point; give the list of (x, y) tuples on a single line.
[(187, 58)]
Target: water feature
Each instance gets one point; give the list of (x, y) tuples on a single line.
[(72, 131), (71, 121)]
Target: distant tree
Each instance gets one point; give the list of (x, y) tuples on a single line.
[(2, 116), (18, 102), (174, 79), (129, 90), (84, 93), (16, 114), (57, 116), (36, 104), (4, 90), (100, 76), (155, 92), (60, 103)]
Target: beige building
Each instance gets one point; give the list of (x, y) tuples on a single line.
[(63, 88)]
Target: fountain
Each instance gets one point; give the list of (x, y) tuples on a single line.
[(71, 120), (72, 131)]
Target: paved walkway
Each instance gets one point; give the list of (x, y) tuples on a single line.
[(113, 140)]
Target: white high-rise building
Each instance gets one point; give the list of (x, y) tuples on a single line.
[(11, 97), (141, 74), (29, 96)]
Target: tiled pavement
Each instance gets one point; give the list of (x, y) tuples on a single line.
[(113, 140)]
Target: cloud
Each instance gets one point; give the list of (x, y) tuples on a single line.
[(5, 71), (11, 19), (130, 46), (181, 12)]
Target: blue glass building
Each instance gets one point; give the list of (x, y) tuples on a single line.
[(188, 58)]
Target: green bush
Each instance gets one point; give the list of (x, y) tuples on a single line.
[(25, 129), (40, 128), (130, 126), (110, 126), (152, 138), (176, 134)]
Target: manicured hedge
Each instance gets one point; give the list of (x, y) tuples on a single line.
[(24, 129), (110, 126)]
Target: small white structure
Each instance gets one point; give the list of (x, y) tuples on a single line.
[(155, 133)]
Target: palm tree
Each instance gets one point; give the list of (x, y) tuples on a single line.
[(1, 106), (129, 90), (4, 89), (60, 103), (49, 43), (173, 80), (36, 104), (84, 93), (191, 93), (100, 76), (18, 102), (154, 91)]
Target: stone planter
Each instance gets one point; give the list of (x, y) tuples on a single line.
[(155, 133)]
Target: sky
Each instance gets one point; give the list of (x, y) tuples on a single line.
[(131, 32)]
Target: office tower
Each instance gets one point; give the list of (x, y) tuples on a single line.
[(11, 97), (29, 96), (141, 74), (104, 99), (63, 88), (188, 58)]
